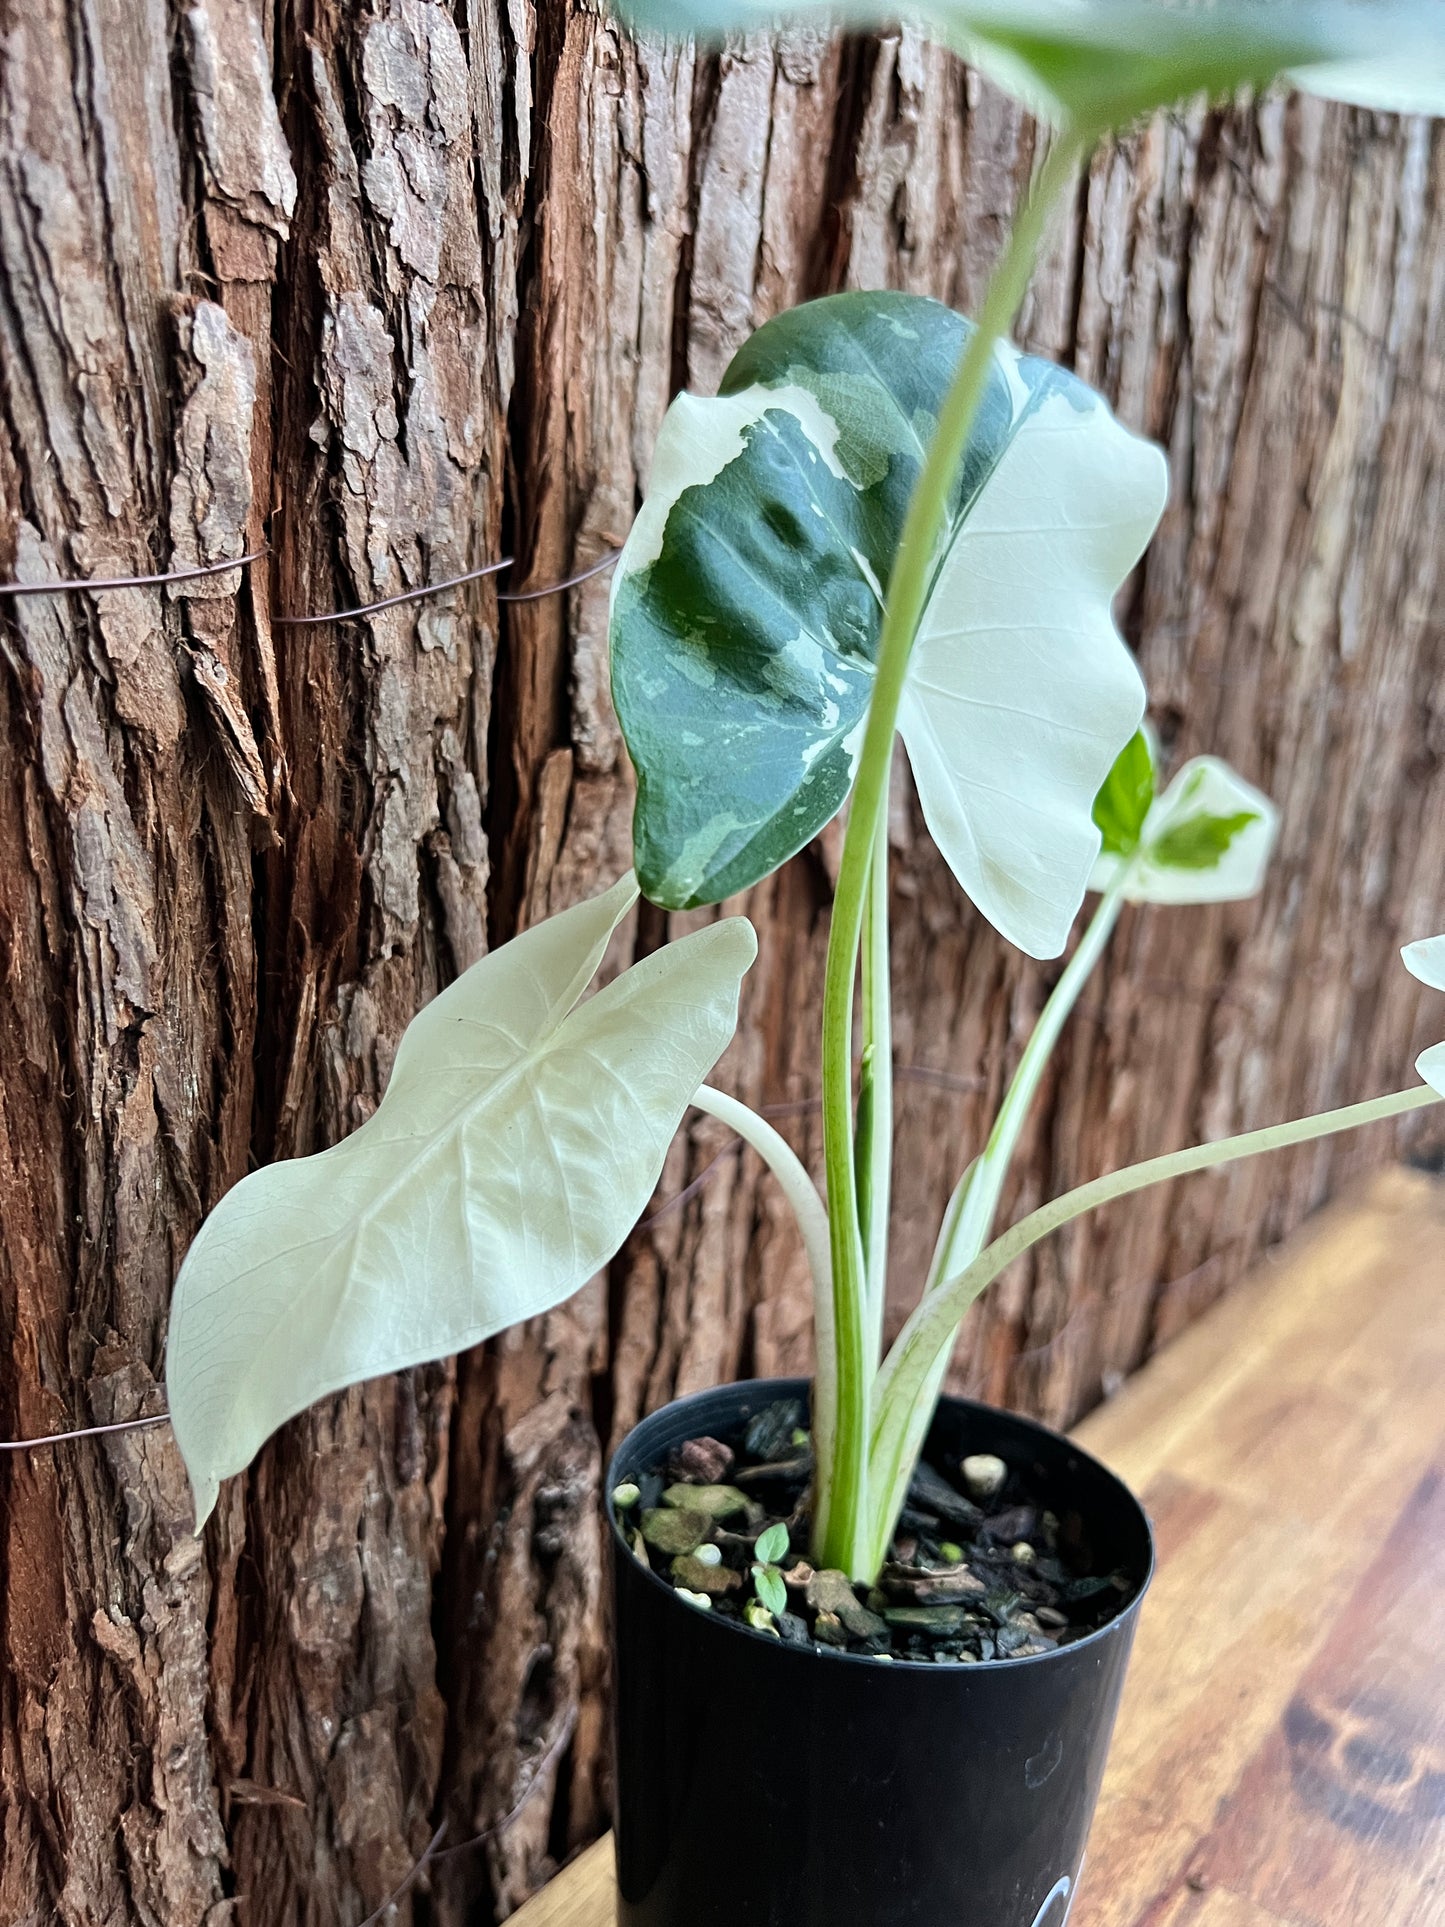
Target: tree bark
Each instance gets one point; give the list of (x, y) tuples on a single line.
[(394, 286)]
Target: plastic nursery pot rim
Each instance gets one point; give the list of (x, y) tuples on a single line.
[(870, 1662)]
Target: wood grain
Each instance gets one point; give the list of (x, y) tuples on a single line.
[(1280, 1754)]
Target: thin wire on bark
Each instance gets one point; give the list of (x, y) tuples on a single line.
[(96, 583), (395, 601), (429, 1854), (455, 582), (85, 1432)]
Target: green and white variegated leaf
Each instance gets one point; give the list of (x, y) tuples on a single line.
[(747, 604), (1098, 64), (1207, 839), (520, 1136), (1426, 960)]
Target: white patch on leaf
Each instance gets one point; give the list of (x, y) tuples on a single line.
[(699, 436), (1020, 691), (1385, 54), (1426, 960), (1408, 79)]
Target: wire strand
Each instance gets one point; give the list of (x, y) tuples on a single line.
[(401, 1892), (456, 582), (568, 582), (395, 601), (85, 1432), (129, 581)]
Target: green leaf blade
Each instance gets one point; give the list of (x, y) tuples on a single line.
[(772, 1543), (770, 1589), (1097, 65), (742, 628)]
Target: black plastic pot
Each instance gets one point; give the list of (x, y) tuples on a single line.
[(767, 1785)]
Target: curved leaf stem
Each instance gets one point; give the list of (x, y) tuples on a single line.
[(984, 1182), (812, 1219), (908, 1366), (846, 1543), (972, 1208)]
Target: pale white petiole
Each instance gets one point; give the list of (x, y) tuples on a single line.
[(812, 1219), (910, 1365), (974, 1203)]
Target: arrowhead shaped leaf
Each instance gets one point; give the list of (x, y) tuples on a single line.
[(746, 610), (1098, 64), (1207, 839), (519, 1138)]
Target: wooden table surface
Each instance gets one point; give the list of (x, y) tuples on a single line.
[(1280, 1755)]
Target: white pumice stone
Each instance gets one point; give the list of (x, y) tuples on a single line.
[(984, 1475)]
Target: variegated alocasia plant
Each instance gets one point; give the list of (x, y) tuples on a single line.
[(888, 521), (1089, 66)]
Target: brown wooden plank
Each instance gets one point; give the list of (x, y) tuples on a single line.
[(580, 1896), (1289, 1435), (1280, 1759)]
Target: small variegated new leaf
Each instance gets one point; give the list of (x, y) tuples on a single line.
[(1207, 839)]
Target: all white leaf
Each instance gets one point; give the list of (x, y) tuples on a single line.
[(1426, 960), (519, 1138), (1203, 787), (1020, 689), (1408, 77), (1431, 1066)]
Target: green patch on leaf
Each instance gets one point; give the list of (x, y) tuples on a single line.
[(1200, 842), (1123, 803)]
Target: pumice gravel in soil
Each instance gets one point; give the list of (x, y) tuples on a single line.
[(978, 1569)]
